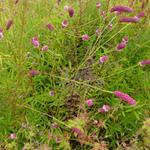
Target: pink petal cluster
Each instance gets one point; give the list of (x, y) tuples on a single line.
[(104, 108), (118, 13), (89, 102), (64, 23), (140, 14), (102, 13), (143, 63), (125, 39), (129, 19), (85, 37), (98, 5), (58, 139), (20, 96), (103, 59), (76, 130), (66, 7), (125, 97), (110, 26), (9, 24), (71, 12), (55, 125), (23, 124), (50, 27), (121, 46), (28, 55), (98, 31), (35, 42), (1, 35), (51, 93), (34, 72), (40, 132), (12, 136), (122, 9), (44, 47)]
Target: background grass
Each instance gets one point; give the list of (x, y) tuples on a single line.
[(70, 68)]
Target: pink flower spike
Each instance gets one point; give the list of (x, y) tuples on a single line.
[(51, 93), (34, 72), (66, 7), (40, 132), (35, 43), (60, 13), (85, 37), (64, 23), (121, 46), (101, 109), (20, 96), (98, 5), (9, 24), (140, 14), (125, 39), (106, 107), (58, 139), (44, 47), (98, 31), (12, 136), (125, 97), (110, 25), (28, 55), (1, 35), (122, 9), (50, 27), (23, 124), (143, 63), (71, 12), (102, 12), (103, 59), (55, 125), (118, 13), (89, 102), (129, 19), (76, 130)]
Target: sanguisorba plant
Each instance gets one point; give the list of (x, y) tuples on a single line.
[(67, 71)]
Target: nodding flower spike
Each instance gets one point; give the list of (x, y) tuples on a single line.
[(122, 9), (125, 97), (44, 47), (85, 37), (129, 19), (35, 42), (28, 55), (64, 23), (140, 14), (51, 93), (98, 31), (89, 102), (98, 5), (50, 27), (103, 59), (76, 130), (125, 39), (9, 24), (1, 36), (102, 12), (12, 136), (34, 72), (104, 108), (110, 25), (118, 13), (143, 63), (121, 46), (55, 125), (71, 12)]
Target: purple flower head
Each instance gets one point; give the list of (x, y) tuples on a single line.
[(55, 125), (125, 97), (9, 24), (71, 12), (51, 93), (129, 19), (76, 130), (118, 13), (122, 9), (110, 25), (58, 139), (12, 136), (102, 12), (60, 13), (58, 2), (1, 35), (103, 59), (1, 29), (23, 124), (20, 96), (143, 63), (85, 37), (64, 23), (89, 102), (40, 132), (50, 27), (98, 5), (66, 7), (122, 45), (34, 72), (44, 47), (140, 14), (35, 42), (125, 39), (98, 31), (16, 1), (28, 55), (104, 108)]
